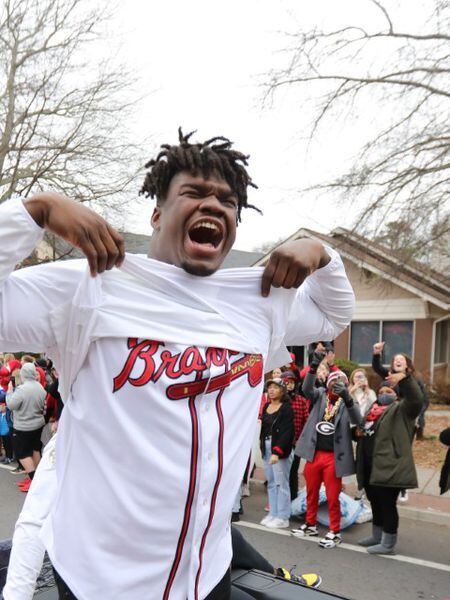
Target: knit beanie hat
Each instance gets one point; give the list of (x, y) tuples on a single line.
[(336, 375)]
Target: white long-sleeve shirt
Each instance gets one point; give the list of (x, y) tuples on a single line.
[(162, 374), (27, 552)]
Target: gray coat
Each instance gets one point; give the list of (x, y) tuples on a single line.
[(27, 401), (343, 450)]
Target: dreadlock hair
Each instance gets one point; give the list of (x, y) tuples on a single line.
[(213, 155)]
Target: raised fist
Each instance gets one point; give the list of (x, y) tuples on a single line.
[(378, 347), (316, 359)]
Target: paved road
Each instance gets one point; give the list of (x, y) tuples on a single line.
[(421, 570), (349, 570)]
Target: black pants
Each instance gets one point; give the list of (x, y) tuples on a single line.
[(222, 591), (245, 556), (293, 477), (383, 501), (7, 445)]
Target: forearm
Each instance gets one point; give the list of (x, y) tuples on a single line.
[(309, 390), (25, 563), (19, 235), (378, 367), (324, 305), (411, 393)]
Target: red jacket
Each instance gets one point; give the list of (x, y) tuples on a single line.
[(6, 371)]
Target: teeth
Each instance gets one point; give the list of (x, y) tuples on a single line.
[(206, 224)]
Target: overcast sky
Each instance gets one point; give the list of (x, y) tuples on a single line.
[(201, 65)]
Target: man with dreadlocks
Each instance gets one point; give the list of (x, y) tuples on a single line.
[(165, 353)]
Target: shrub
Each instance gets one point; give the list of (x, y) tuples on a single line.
[(346, 365)]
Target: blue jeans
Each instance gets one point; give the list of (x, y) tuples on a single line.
[(278, 488)]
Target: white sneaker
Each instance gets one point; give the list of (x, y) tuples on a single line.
[(266, 520), (305, 530), (278, 523), (331, 540), (403, 496)]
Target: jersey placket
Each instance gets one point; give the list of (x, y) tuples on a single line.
[(209, 471)]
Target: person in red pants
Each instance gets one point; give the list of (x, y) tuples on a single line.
[(326, 445)]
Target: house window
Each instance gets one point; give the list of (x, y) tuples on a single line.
[(364, 334), (398, 336), (441, 342)]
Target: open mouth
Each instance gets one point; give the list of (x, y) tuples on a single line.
[(206, 234)]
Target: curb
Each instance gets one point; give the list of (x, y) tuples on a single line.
[(425, 515)]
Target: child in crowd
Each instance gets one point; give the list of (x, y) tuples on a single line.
[(326, 445), (5, 432)]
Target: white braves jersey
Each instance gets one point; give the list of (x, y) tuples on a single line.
[(157, 431)]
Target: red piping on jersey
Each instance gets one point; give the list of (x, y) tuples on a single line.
[(189, 499), (216, 487)]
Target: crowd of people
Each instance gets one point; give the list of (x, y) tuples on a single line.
[(341, 426), (30, 406)]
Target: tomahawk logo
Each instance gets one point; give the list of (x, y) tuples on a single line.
[(144, 358)]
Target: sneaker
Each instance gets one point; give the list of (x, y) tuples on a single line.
[(277, 523), (305, 530), (18, 471), (246, 490), (235, 517), (403, 496), (26, 486), (330, 540), (307, 579), (22, 481), (267, 508), (266, 520)]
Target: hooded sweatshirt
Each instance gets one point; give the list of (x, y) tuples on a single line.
[(27, 401)]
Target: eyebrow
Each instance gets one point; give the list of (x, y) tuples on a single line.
[(203, 187)]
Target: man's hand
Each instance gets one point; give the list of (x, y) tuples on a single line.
[(274, 459), (378, 347), (316, 359), (340, 389), (395, 378), (291, 263), (80, 226)]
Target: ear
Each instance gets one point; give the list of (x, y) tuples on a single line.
[(155, 221)]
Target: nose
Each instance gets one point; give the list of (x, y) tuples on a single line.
[(211, 205)]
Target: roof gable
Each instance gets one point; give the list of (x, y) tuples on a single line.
[(425, 283)]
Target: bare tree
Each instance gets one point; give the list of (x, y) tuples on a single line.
[(403, 168), (62, 104)]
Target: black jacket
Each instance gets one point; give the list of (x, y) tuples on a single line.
[(282, 431), (444, 480)]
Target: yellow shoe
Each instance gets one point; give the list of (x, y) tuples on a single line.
[(307, 579)]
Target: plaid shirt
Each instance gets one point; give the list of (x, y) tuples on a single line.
[(300, 407)]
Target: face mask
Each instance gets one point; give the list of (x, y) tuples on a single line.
[(386, 399)]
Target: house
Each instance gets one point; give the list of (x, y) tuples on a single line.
[(406, 305)]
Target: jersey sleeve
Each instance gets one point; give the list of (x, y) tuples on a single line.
[(28, 295), (323, 306)]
